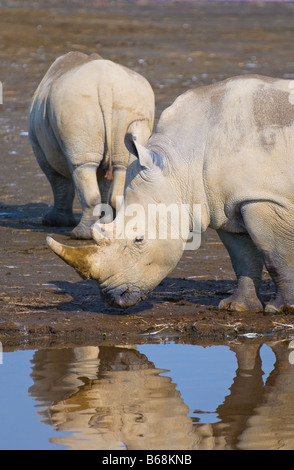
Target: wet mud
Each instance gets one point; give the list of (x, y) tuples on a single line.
[(176, 46)]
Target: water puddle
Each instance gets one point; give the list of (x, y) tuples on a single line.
[(154, 396)]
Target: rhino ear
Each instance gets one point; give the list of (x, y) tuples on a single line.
[(147, 158)]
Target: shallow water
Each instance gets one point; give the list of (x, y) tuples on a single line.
[(152, 396)]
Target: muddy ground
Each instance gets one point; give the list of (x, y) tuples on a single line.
[(176, 46)]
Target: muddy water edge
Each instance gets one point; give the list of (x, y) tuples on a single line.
[(175, 46)]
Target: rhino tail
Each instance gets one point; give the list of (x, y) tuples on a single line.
[(106, 104)]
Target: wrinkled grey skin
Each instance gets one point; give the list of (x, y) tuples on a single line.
[(230, 148), (77, 122)]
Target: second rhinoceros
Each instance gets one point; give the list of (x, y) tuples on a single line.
[(230, 148), (77, 123)]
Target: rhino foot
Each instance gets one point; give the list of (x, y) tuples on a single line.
[(82, 232), (277, 307), (234, 304), (58, 219)]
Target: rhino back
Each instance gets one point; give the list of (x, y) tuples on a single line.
[(39, 123), (241, 132), (104, 98), (130, 92), (250, 146), (60, 67), (92, 99)]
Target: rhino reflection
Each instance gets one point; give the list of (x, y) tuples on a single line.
[(128, 404), (273, 418), (114, 398)]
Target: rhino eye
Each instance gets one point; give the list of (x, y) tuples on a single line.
[(139, 239)]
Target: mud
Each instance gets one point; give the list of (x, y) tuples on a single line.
[(176, 46)]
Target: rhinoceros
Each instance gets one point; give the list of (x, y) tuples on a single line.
[(228, 146), (77, 122)]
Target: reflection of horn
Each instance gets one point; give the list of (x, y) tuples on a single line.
[(78, 257)]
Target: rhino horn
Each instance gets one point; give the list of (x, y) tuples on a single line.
[(78, 257)]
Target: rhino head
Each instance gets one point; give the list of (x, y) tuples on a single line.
[(129, 258)]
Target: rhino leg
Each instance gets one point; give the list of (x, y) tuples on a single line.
[(117, 187), (61, 215), (63, 190), (247, 263), (271, 228), (86, 184)]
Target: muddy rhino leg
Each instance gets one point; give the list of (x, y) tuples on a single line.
[(271, 228), (61, 215), (105, 185), (247, 263), (117, 188), (63, 191), (86, 184)]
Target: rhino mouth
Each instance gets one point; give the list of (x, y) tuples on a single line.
[(122, 299)]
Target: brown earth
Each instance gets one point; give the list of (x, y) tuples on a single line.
[(176, 46)]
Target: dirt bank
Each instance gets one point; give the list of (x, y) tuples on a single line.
[(176, 46)]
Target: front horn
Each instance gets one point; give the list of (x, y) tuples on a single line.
[(78, 257)]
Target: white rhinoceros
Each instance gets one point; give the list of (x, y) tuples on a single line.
[(77, 123), (229, 147)]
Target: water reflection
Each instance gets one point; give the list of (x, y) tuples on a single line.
[(110, 398), (115, 398)]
